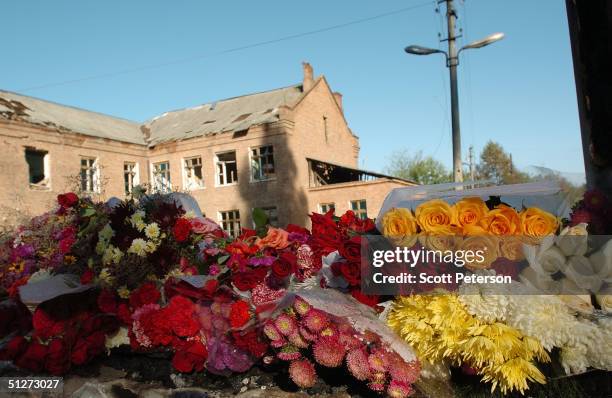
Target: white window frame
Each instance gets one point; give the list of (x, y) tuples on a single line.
[(236, 226), (165, 187), (328, 204), (191, 184), (135, 175), (259, 163), (45, 183), (95, 176), (359, 210), (217, 175)]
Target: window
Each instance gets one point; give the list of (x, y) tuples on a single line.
[(130, 176), (161, 177), (193, 177), (38, 167), (272, 213), (325, 207), (262, 163), (359, 208), (230, 222), (89, 175), (325, 128), (227, 171)]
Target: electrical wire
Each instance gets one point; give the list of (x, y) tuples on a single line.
[(230, 50)]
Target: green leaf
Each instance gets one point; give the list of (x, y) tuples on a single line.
[(260, 218), (222, 259), (88, 212)]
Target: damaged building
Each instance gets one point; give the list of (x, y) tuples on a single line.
[(288, 151)]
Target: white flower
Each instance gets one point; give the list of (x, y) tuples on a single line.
[(150, 247), (152, 230), (106, 276), (137, 220), (123, 292), (138, 247), (101, 246), (580, 270), (602, 262), (605, 300), (574, 359), (538, 282), (573, 241), (112, 254), (106, 233), (118, 339), (577, 302), (546, 260)]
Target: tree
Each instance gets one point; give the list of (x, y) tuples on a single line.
[(495, 164), (422, 170)]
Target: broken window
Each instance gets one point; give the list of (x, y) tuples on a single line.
[(272, 213), (90, 175), (325, 207), (38, 167), (130, 176), (194, 178), (262, 163), (230, 222), (161, 177), (359, 208), (227, 170)]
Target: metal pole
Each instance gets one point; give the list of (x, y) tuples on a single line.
[(453, 61)]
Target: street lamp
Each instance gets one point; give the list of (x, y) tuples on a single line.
[(452, 60)]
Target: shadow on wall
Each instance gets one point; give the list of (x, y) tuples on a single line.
[(283, 192)]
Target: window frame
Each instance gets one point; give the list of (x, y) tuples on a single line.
[(233, 221), (95, 176), (359, 210), (135, 175), (322, 211), (45, 183), (154, 186), (259, 156), (217, 175), (187, 184)]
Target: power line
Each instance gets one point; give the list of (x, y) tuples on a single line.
[(230, 50)]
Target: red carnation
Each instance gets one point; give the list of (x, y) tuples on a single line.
[(250, 342), (180, 316), (33, 358), (66, 244), (107, 302), (369, 300), (292, 228), (14, 348), (191, 356), (67, 200), (44, 325), (145, 294), (58, 361), (88, 347), (239, 314), (87, 277), (181, 229), (124, 314)]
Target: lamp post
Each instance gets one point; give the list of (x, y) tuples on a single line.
[(452, 60)]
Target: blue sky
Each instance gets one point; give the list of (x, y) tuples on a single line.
[(519, 92)]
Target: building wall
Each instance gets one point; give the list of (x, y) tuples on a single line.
[(65, 150), (374, 192)]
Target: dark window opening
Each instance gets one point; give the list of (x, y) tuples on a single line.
[(36, 166)]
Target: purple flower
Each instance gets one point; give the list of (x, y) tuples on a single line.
[(224, 358), (259, 261), (23, 251), (298, 237), (214, 270)]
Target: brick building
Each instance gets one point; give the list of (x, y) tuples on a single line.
[(288, 151)]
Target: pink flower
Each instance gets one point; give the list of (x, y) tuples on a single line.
[(203, 225)]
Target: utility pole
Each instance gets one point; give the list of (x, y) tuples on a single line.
[(472, 165), (452, 63)]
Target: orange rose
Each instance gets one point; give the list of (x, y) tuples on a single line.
[(276, 238), (435, 216), (441, 242), (471, 230), (400, 226), (487, 248), (537, 222), (503, 220), (470, 211)]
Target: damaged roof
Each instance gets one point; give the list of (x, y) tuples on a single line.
[(66, 118), (233, 114)]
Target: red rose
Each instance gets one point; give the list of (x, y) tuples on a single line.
[(14, 348), (33, 358), (239, 314), (191, 356), (247, 280), (87, 277), (145, 294), (292, 228), (351, 272), (88, 347), (107, 302), (181, 229), (45, 326), (351, 249), (285, 265), (58, 361), (67, 200)]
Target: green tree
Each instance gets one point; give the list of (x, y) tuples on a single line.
[(423, 170), (496, 164)]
